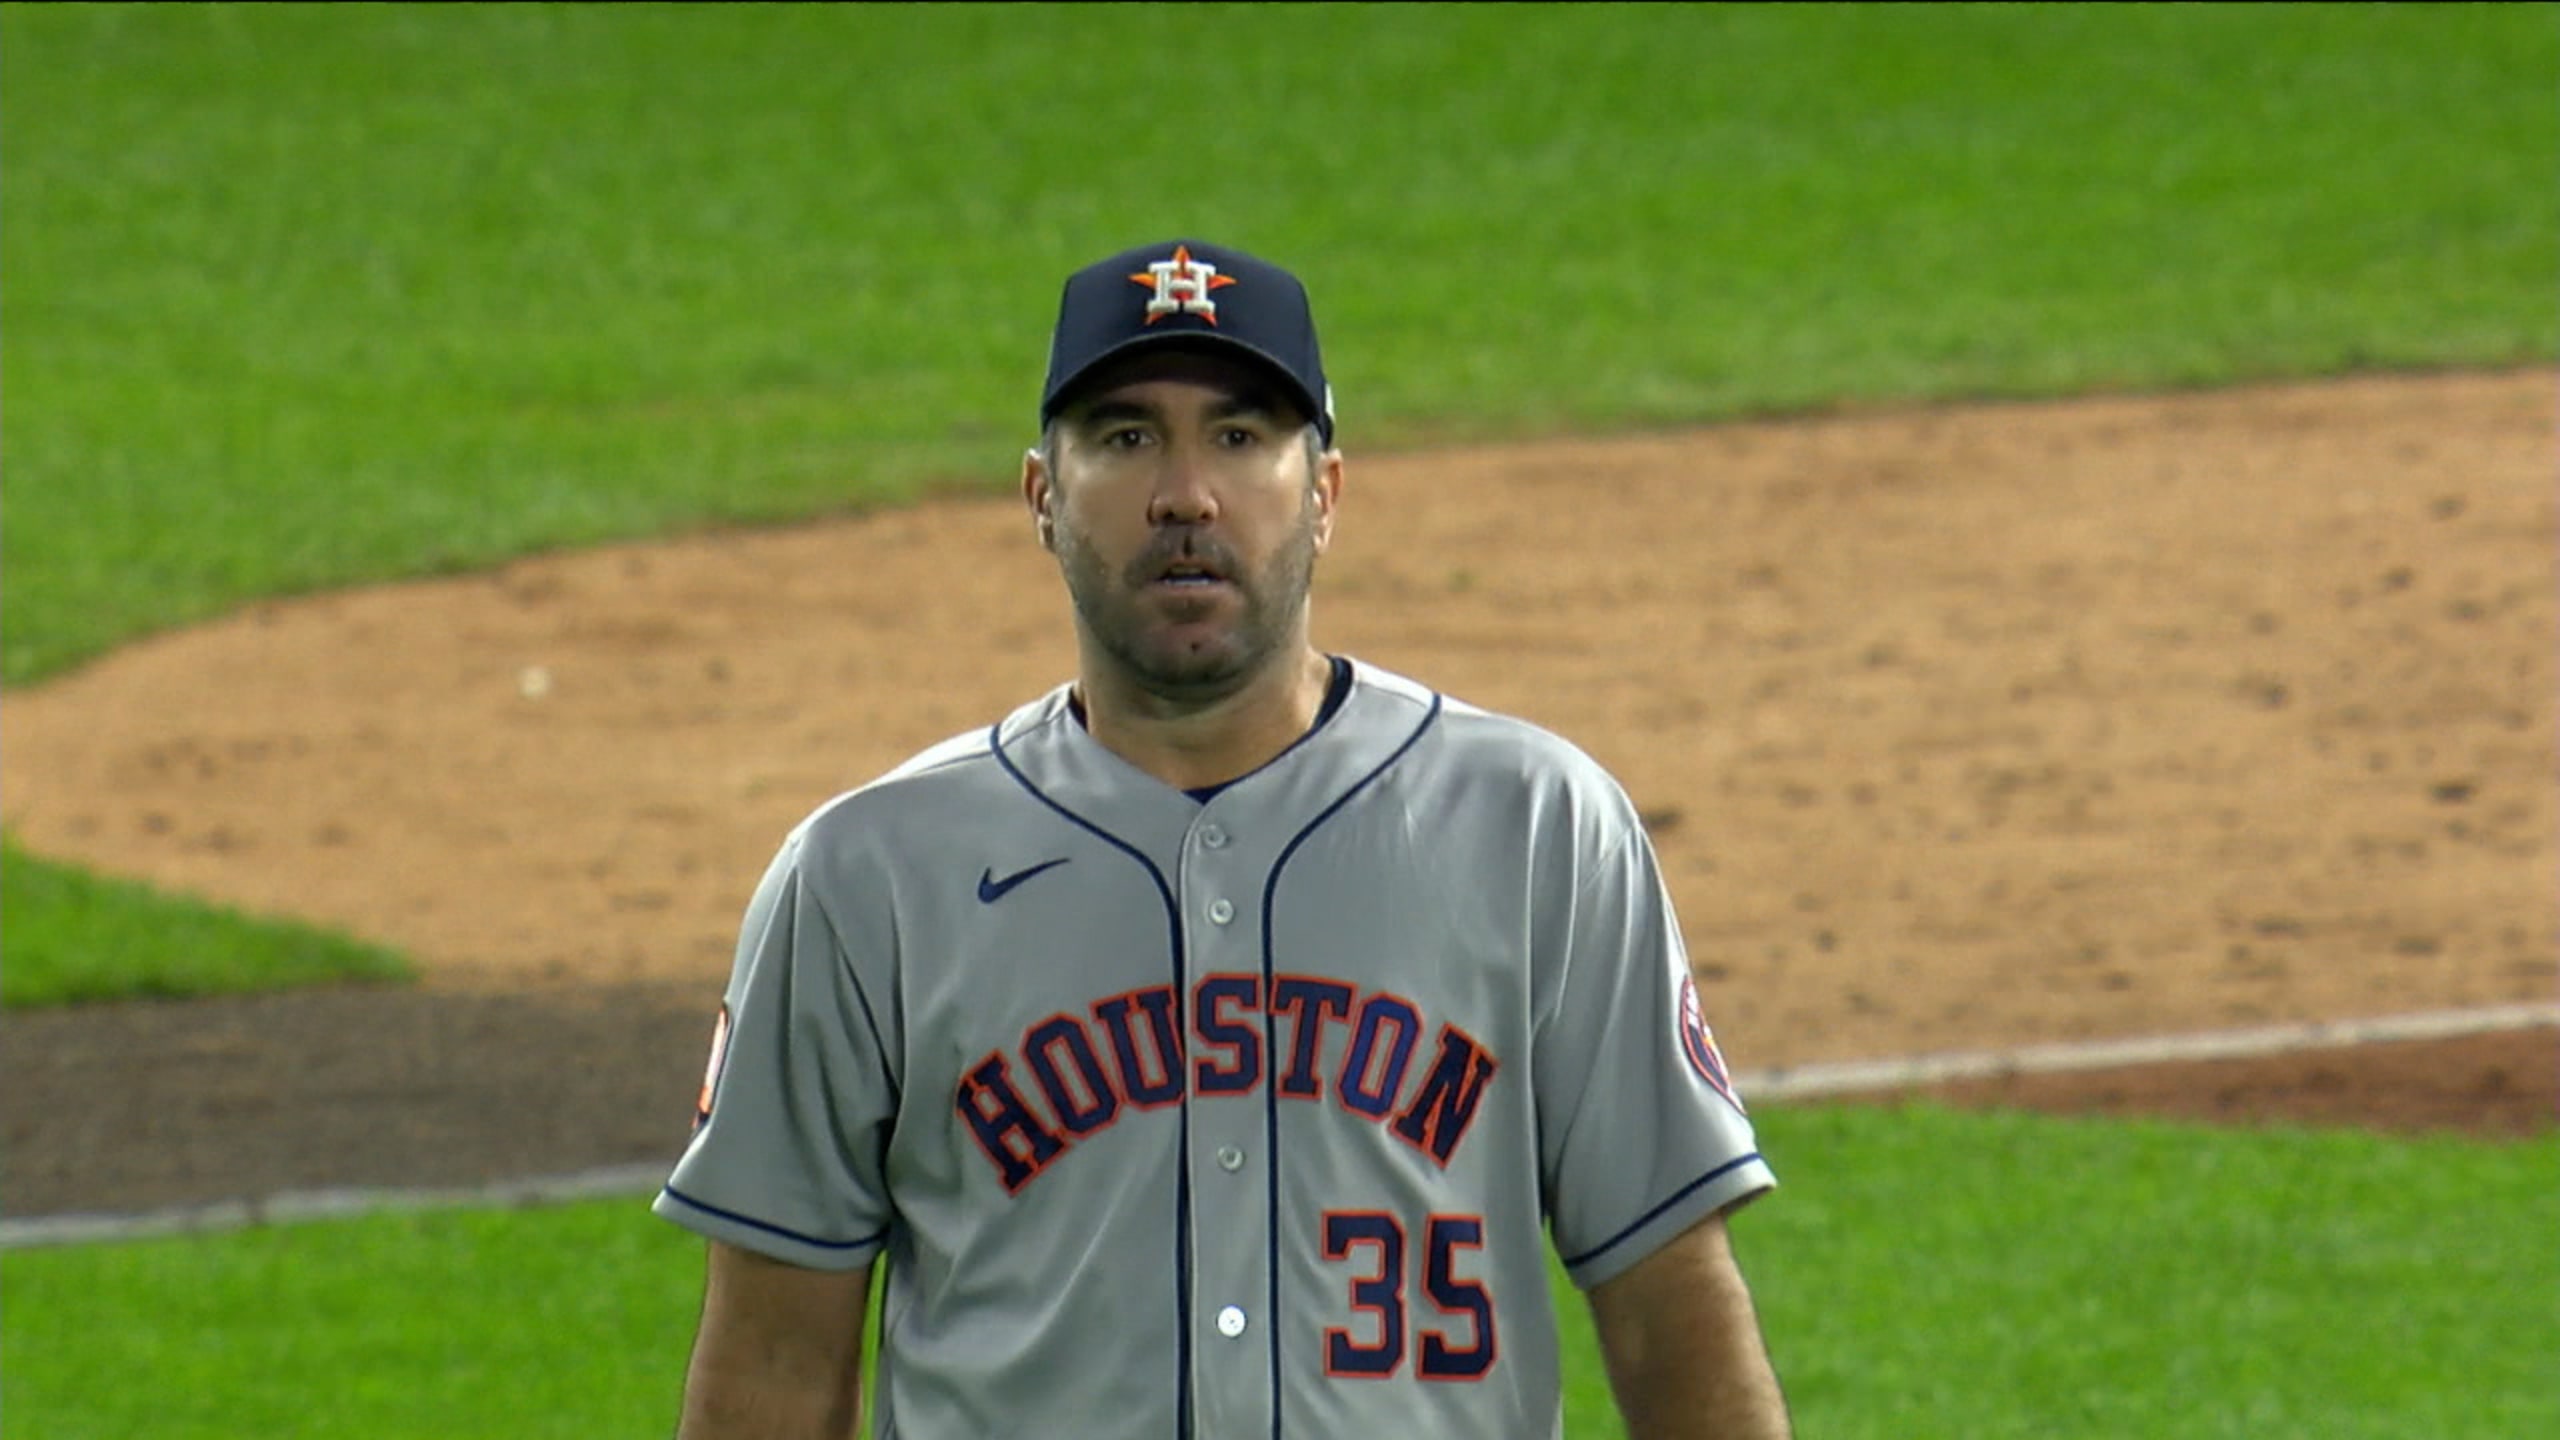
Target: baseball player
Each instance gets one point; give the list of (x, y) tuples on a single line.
[(1213, 1046)]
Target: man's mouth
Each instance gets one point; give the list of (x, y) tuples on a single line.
[(1190, 575)]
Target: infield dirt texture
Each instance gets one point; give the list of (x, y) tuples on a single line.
[(1958, 729)]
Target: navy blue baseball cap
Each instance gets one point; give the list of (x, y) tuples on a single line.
[(1188, 293)]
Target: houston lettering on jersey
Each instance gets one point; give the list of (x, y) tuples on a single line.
[(1074, 1073)]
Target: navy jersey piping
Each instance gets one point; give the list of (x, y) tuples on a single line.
[(1337, 690), (1648, 1217), (1270, 1041), (1182, 1167), (770, 1228)]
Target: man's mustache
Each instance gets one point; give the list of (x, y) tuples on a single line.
[(1182, 546)]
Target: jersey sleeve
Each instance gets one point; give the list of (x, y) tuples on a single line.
[(788, 1156), (1641, 1133)]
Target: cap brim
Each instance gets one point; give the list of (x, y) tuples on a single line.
[(1207, 342)]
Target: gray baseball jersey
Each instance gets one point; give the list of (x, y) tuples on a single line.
[(1250, 1116)]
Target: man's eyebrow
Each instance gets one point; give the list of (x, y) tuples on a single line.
[(1247, 403), (1113, 412), (1244, 404)]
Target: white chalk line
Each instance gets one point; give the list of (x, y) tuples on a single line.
[(292, 1206), (1806, 1082), (1796, 1082)]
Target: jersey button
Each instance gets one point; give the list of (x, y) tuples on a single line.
[(1221, 912), (1213, 837), (1230, 1158), (1231, 1322)]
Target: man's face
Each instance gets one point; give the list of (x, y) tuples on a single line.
[(1186, 517)]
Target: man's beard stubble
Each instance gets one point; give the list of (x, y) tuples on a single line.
[(1272, 602)]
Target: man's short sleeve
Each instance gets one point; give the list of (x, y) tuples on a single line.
[(1641, 1133), (788, 1157)]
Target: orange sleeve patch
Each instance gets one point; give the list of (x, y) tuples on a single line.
[(711, 1071)]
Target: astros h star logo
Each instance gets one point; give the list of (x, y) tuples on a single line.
[(1182, 286)]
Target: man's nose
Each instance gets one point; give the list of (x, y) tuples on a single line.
[(1183, 493)]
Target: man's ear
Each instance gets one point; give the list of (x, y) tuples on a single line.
[(1328, 486), (1038, 496)]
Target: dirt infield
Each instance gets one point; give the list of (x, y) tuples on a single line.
[(1958, 729)]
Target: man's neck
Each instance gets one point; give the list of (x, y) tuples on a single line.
[(1191, 746)]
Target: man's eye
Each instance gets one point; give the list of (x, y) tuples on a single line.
[(1128, 437), (1237, 437)]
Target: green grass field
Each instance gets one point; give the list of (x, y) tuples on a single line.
[(1922, 1274), (310, 296), (307, 297), (75, 937)]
